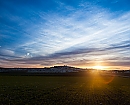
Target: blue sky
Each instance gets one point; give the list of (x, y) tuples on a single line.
[(82, 33)]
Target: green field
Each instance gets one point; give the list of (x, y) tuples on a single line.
[(92, 89)]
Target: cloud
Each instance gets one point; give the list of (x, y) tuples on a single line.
[(6, 52), (69, 35)]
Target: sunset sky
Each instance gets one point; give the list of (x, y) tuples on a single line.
[(81, 33)]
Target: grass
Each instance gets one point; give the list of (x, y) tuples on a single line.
[(93, 89)]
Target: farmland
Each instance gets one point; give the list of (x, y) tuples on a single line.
[(92, 89)]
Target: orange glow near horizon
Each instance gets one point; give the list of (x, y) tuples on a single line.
[(103, 67), (99, 67)]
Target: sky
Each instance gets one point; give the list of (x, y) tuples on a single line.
[(81, 33)]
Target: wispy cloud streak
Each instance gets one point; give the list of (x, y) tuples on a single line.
[(67, 35)]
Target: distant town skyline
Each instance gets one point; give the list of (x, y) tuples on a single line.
[(79, 33)]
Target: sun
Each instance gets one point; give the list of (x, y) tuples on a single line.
[(98, 67)]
